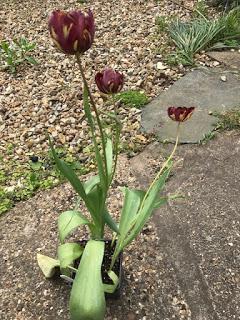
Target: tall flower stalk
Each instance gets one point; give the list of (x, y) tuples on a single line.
[(73, 34), (95, 110)]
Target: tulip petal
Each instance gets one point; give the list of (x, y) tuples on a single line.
[(72, 32), (180, 114), (109, 81)]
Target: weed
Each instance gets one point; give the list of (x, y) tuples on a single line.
[(5, 203), (207, 137), (231, 43), (231, 24), (200, 9), (10, 148), (132, 98), (161, 23), (32, 176), (173, 59), (229, 120), (14, 53)]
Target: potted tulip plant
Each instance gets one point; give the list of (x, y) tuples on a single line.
[(73, 34)]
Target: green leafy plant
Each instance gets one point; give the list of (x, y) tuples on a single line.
[(231, 24), (227, 120), (16, 52), (192, 37), (5, 202), (132, 98), (87, 299)]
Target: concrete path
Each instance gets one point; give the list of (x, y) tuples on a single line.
[(199, 236), (209, 90), (183, 266)]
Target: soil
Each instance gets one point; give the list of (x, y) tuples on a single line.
[(117, 268)]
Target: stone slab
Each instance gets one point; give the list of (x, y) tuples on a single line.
[(201, 88), (229, 58)]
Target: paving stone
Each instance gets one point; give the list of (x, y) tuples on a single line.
[(229, 58), (201, 88)]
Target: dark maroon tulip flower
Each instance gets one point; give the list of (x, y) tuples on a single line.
[(72, 32), (109, 81), (180, 114)]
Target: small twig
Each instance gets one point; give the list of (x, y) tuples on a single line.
[(66, 278)]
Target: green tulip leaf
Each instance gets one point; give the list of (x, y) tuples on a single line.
[(87, 300), (48, 265), (91, 183), (110, 222), (68, 253), (70, 175), (69, 221), (137, 209), (131, 205), (132, 201), (110, 288), (99, 160), (95, 196), (148, 206)]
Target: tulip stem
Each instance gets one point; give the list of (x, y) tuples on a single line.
[(117, 138), (95, 110), (163, 167)]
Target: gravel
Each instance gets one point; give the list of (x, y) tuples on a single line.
[(48, 97)]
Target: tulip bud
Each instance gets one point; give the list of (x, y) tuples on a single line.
[(180, 114), (109, 81), (72, 32)]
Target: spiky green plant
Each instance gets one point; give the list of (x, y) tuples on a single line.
[(192, 37), (202, 34)]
